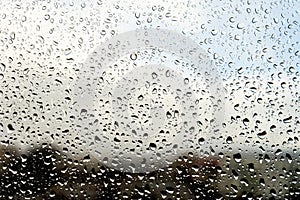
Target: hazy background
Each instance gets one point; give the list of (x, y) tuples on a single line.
[(255, 47)]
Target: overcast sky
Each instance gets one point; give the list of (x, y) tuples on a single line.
[(255, 47)]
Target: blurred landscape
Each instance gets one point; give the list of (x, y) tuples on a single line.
[(47, 173)]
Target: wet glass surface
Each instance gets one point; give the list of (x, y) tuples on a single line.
[(152, 100)]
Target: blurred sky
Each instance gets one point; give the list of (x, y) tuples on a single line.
[(255, 46)]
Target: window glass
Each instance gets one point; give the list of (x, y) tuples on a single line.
[(151, 100)]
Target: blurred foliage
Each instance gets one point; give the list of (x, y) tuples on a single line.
[(46, 173)]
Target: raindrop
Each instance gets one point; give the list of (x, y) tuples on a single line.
[(10, 127), (289, 158), (154, 75), (262, 134), (137, 15), (272, 128), (152, 146), (251, 167), (186, 81), (287, 120), (168, 114), (246, 121), (237, 157), (168, 73), (133, 56), (201, 141), (278, 152), (214, 32), (240, 26), (229, 140), (140, 97), (262, 182), (149, 19), (2, 67), (83, 112)]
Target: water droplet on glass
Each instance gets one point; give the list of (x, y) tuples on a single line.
[(133, 56), (237, 157)]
